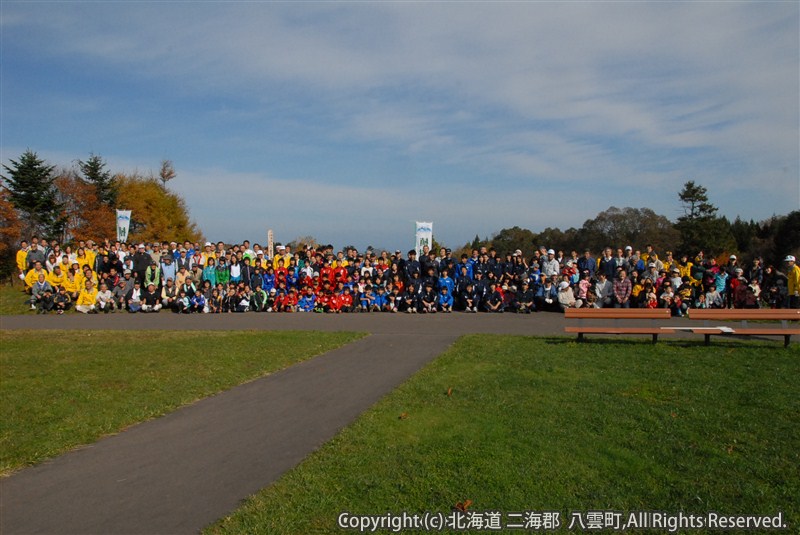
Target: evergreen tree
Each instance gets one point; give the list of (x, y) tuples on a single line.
[(33, 194), (700, 228), (94, 172)]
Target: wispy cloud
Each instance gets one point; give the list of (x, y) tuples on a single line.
[(619, 101)]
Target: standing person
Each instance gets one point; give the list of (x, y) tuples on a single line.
[(793, 282), (22, 259), (141, 261)]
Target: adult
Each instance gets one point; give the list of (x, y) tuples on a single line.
[(793, 282)]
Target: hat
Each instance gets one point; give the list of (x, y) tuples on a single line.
[(518, 252), (208, 244), (629, 248), (789, 258), (550, 251), (273, 291), (141, 246), (732, 257), (569, 262), (563, 285), (676, 270), (651, 264), (127, 272)]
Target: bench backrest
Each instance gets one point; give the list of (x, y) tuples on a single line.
[(722, 314), (618, 313)]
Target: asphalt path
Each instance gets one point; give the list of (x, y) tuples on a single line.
[(178, 473)]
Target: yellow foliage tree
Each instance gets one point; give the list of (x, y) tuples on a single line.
[(156, 213)]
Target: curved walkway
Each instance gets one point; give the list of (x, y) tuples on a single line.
[(185, 470)]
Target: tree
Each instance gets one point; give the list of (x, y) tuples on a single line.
[(636, 227), (95, 173), (10, 232), (166, 173), (509, 240), (157, 214), (33, 194), (86, 216), (699, 227)]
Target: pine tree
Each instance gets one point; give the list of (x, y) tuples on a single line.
[(94, 172), (700, 228), (33, 194)]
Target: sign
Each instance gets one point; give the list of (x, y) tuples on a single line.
[(123, 224), (270, 244), (424, 236)]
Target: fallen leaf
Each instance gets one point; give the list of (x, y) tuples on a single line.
[(463, 506), (450, 392), (403, 416)]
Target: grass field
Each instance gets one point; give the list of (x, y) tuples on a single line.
[(535, 424), (12, 299), (61, 389)]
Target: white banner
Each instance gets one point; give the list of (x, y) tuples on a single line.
[(123, 224), (424, 236)]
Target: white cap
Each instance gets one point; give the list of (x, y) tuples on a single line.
[(733, 257), (208, 244), (563, 285), (789, 258), (550, 251), (629, 248), (141, 246)]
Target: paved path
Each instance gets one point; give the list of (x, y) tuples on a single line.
[(181, 472)]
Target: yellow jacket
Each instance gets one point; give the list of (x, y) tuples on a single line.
[(72, 285), (56, 280), (794, 280), (87, 298), (33, 276), (22, 259)]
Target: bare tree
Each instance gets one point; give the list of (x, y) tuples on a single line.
[(166, 173)]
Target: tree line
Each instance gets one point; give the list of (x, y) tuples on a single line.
[(700, 228), (78, 203)]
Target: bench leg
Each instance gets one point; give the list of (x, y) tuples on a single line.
[(708, 339), (786, 339), (655, 338), (580, 337)]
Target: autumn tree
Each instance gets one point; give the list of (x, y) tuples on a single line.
[(156, 213), (10, 232), (94, 172), (86, 217), (33, 194)]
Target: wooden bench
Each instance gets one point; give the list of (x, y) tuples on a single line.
[(621, 318), (744, 315)]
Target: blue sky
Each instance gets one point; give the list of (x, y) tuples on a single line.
[(348, 121)]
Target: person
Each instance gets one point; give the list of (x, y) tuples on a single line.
[(550, 267), (622, 290), (547, 296), (428, 299), (792, 282), (61, 301), (38, 290), (445, 300), (87, 299), (604, 290), (525, 299), (494, 299), (566, 298), (133, 300), (468, 298), (183, 304), (46, 302), (22, 260), (198, 303), (141, 262), (151, 301), (105, 299)]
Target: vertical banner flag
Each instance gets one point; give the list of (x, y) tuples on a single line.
[(270, 244), (424, 236), (123, 224)]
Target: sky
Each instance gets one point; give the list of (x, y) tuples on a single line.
[(348, 121)]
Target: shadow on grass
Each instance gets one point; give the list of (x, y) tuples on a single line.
[(763, 343)]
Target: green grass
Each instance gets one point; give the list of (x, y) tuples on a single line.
[(547, 424), (13, 299), (61, 389)]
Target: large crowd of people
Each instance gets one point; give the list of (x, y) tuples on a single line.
[(219, 278)]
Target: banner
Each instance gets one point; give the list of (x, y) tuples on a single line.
[(424, 236), (123, 224), (270, 245)]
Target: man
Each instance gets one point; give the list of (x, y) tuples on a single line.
[(550, 267), (133, 300), (412, 266), (603, 289), (22, 259), (793, 276), (150, 299), (35, 254), (587, 263), (87, 300), (38, 290), (622, 290), (141, 261)]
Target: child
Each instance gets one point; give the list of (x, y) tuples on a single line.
[(445, 300)]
